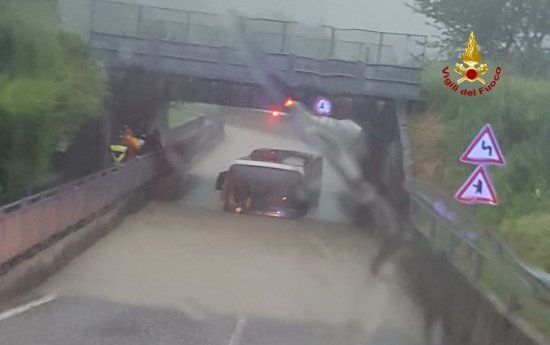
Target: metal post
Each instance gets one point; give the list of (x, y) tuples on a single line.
[(407, 52), (499, 248), (450, 246), (154, 54), (139, 19), (477, 267), (181, 36), (290, 67), (424, 48), (284, 37), (380, 43), (433, 229), (512, 304), (332, 42), (223, 61), (92, 20), (412, 212), (187, 27)]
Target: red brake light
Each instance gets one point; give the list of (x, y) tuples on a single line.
[(289, 102), (275, 113)]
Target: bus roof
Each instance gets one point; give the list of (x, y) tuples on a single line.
[(271, 165), (286, 157), (278, 159)]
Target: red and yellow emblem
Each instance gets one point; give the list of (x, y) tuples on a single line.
[(471, 58)]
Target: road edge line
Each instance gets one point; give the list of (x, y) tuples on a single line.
[(26, 307), (237, 334)]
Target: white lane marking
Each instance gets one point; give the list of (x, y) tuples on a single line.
[(237, 334), (26, 307)]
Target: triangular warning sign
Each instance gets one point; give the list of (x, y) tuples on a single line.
[(484, 149), (477, 189)]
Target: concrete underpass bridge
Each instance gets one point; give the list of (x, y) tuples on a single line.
[(156, 55), (198, 46)]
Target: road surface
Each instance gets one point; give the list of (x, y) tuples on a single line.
[(240, 142), (186, 273)]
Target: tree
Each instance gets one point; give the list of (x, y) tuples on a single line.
[(515, 30), (48, 86)]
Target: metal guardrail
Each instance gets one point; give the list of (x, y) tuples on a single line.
[(485, 259), (273, 36), (32, 220)]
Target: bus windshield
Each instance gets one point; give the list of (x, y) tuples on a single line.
[(263, 189)]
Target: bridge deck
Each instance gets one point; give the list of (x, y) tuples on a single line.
[(330, 60)]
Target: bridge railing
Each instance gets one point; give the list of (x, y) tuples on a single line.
[(484, 258), (274, 36)]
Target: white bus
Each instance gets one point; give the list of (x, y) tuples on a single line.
[(272, 182)]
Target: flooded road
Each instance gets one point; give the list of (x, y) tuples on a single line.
[(239, 142), (186, 273)]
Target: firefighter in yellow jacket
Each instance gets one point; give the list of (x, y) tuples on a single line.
[(128, 148)]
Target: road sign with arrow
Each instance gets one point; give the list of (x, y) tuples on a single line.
[(477, 189), (484, 149)]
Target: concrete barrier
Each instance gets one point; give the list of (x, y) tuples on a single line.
[(35, 258), (54, 253)]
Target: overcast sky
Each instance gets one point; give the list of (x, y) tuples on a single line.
[(386, 15)]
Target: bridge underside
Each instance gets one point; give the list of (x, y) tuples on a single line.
[(139, 96)]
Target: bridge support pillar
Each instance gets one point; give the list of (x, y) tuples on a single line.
[(401, 113)]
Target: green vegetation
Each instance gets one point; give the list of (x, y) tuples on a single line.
[(517, 108), (48, 86), (530, 235), (514, 37), (179, 113), (514, 31)]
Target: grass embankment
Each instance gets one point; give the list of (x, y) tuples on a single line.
[(180, 113), (517, 108), (426, 131)]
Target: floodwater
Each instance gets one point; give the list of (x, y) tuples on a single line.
[(191, 257)]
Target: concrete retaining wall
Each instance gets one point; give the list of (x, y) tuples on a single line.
[(56, 252), (447, 298), (33, 266)]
